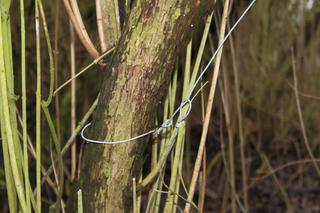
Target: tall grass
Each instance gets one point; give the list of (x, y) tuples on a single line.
[(11, 146), (213, 156)]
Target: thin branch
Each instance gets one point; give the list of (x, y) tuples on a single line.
[(86, 43), (73, 102), (74, 135), (76, 12), (100, 26), (96, 61), (303, 129), (303, 94), (240, 126), (284, 166), (278, 183)]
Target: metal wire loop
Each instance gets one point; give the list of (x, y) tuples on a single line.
[(183, 117)]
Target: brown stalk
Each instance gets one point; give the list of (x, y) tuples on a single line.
[(81, 32), (76, 12), (303, 129), (227, 116), (208, 112), (73, 102), (100, 26), (240, 126)]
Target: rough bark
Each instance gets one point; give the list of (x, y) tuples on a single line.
[(134, 85)]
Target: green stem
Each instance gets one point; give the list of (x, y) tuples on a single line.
[(74, 135), (10, 185), (51, 62), (80, 206), (196, 67), (12, 199), (6, 118), (58, 150), (174, 180), (7, 47), (155, 198), (38, 109), (24, 105)]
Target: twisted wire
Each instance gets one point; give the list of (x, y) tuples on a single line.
[(185, 103)]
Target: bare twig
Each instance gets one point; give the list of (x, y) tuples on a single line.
[(227, 116), (303, 94), (73, 102), (284, 166), (74, 135), (100, 26), (85, 40), (76, 12), (240, 126), (303, 129), (83, 70)]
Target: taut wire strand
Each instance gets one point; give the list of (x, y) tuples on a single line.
[(185, 103)]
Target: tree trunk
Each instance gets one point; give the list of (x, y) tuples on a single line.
[(135, 82)]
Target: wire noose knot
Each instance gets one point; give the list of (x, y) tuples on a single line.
[(182, 113), (166, 124)]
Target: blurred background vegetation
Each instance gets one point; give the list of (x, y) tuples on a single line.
[(256, 79)]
